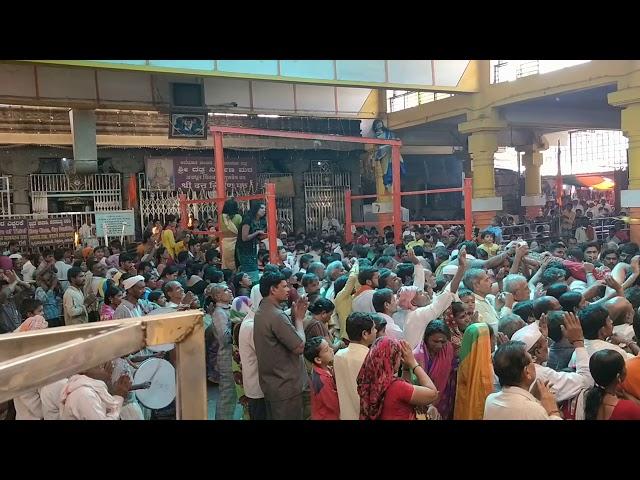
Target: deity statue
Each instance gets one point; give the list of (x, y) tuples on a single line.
[(383, 157)]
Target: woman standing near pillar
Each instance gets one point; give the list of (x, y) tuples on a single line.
[(230, 225), (252, 230)]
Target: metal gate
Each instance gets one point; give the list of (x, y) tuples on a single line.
[(104, 188), (324, 194), (157, 204), (283, 204)]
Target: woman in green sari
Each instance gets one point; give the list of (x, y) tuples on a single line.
[(252, 230), (229, 228)]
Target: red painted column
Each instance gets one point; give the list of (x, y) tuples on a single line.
[(218, 152), (348, 235), (218, 155), (272, 223)]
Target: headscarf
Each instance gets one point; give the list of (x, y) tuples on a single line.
[(37, 322), (405, 297), (376, 375), (475, 373), (131, 281), (240, 307), (6, 263), (87, 252)]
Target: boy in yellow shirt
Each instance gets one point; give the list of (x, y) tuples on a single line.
[(488, 244)]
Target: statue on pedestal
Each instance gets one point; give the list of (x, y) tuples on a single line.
[(383, 158)]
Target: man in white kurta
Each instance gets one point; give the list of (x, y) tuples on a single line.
[(564, 385), (346, 367), (348, 361), (249, 360), (479, 283), (515, 403), (516, 373), (84, 398)]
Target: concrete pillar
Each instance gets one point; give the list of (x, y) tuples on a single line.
[(533, 200), (629, 100), (83, 133), (483, 144), (19, 166)]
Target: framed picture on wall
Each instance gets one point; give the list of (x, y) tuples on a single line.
[(188, 125)]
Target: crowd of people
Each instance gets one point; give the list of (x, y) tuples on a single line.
[(437, 327)]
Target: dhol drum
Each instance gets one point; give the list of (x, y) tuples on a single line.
[(161, 378)]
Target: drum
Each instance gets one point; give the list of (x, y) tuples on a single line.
[(162, 377)]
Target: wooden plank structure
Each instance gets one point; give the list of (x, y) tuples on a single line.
[(32, 359)]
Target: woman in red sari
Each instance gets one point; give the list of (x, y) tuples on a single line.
[(603, 402), (384, 396), (437, 356)]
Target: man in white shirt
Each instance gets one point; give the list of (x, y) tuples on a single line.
[(336, 247), (74, 302), (477, 280), (621, 313), (597, 327), (516, 373), (516, 289), (85, 398), (28, 270), (385, 303), (564, 385), (347, 363), (250, 380), (417, 320), (87, 234), (363, 298), (61, 267)]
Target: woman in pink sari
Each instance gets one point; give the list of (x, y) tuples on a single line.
[(436, 355), (112, 298)]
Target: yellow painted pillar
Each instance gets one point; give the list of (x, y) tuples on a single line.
[(629, 100), (533, 200), (384, 197), (482, 147), (483, 144)]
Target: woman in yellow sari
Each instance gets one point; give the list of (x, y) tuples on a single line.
[(475, 373), (230, 226)]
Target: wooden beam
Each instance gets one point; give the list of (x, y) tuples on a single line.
[(51, 364)]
